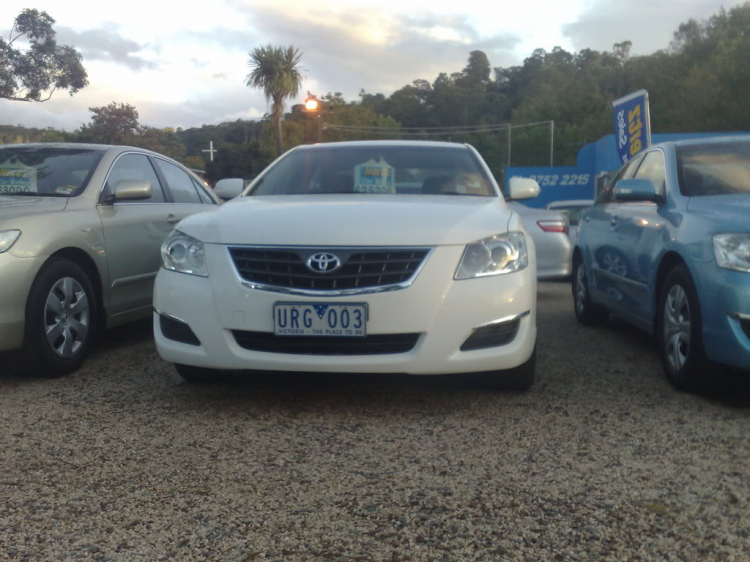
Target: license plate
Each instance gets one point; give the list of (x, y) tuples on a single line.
[(320, 319)]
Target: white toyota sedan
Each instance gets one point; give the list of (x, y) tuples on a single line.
[(372, 257)]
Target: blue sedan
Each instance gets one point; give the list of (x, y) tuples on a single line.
[(667, 248)]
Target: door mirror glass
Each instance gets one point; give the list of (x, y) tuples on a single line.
[(523, 188), (229, 188), (636, 189), (133, 190)]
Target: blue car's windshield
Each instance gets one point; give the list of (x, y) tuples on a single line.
[(377, 169), (714, 169)]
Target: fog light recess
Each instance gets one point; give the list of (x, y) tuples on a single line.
[(177, 330), (492, 335)]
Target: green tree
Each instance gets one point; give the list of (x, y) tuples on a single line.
[(276, 71), (35, 73), (112, 124)]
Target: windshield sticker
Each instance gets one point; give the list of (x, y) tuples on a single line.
[(374, 177), (65, 189), (17, 178), (470, 184)]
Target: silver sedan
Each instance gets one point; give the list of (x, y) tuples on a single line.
[(549, 230), (81, 228)]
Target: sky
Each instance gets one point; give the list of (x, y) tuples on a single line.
[(184, 63)]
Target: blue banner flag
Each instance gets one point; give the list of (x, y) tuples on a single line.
[(632, 124)]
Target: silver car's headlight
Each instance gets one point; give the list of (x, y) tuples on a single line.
[(184, 254), (496, 255), (7, 239), (732, 250)]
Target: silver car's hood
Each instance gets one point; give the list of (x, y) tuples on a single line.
[(19, 206)]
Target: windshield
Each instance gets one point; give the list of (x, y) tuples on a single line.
[(48, 172), (714, 169), (401, 170)]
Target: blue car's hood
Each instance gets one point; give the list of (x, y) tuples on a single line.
[(732, 210)]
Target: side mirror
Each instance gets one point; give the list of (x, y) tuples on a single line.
[(635, 190), (132, 190), (523, 188), (229, 188)]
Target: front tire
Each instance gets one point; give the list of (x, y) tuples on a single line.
[(519, 379), (61, 320), (679, 332), (587, 313)]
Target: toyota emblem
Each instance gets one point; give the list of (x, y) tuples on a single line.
[(323, 262)]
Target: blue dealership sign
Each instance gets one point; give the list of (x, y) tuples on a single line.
[(632, 124), (557, 183)]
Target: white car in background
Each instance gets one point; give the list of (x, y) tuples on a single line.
[(378, 257), (575, 209), (549, 230)]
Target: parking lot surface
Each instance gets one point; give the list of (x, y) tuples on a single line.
[(601, 460)]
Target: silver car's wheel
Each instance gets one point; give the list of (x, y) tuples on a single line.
[(62, 313), (676, 327), (66, 317)]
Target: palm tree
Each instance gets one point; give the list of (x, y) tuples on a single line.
[(275, 70)]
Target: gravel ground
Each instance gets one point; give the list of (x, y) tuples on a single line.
[(601, 460)]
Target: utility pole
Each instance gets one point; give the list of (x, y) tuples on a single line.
[(509, 139), (551, 142)]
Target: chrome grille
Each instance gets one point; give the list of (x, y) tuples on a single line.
[(360, 269)]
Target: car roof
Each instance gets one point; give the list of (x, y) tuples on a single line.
[(376, 143), (705, 140), (89, 146)]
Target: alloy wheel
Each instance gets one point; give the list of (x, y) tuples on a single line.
[(676, 327), (66, 317)]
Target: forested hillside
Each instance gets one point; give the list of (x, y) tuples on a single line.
[(699, 82)]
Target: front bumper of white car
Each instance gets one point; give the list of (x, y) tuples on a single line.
[(419, 329)]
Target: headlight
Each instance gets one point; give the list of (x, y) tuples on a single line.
[(732, 250), (184, 254), (499, 254), (7, 239)]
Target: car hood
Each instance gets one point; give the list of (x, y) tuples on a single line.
[(14, 207), (731, 210), (351, 220)]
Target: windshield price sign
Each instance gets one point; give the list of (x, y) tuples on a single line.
[(632, 123), (17, 178), (374, 177)]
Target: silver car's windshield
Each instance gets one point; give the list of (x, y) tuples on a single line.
[(46, 171), (389, 170), (714, 169)]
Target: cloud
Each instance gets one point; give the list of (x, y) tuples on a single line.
[(347, 49), (69, 113), (649, 25), (105, 44)]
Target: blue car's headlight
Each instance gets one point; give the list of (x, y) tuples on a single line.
[(499, 254), (732, 250), (184, 254)]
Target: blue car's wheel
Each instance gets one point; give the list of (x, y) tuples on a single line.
[(679, 331), (586, 311)]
